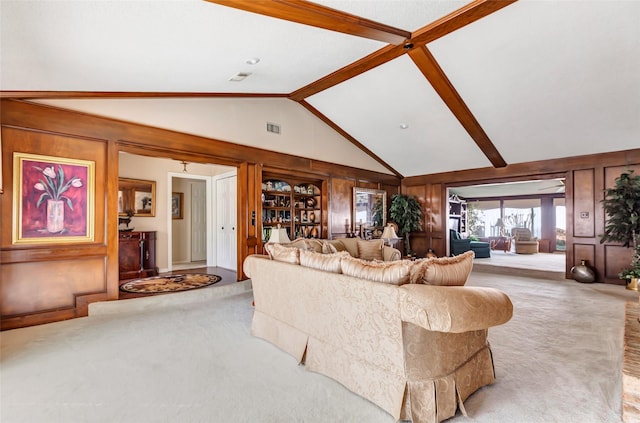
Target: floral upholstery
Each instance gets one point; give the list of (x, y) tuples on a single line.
[(415, 350)]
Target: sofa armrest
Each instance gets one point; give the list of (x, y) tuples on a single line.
[(250, 263), (390, 253), (454, 308)]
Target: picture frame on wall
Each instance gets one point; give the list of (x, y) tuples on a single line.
[(53, 199), (177, 205)]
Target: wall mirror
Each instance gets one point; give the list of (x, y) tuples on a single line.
[(136, 197), (369, 208)]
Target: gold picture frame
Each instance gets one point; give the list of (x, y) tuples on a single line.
[(136, 197), (53, 199), (177, 205)]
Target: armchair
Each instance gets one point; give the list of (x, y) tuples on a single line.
[(525, 243), (459, 245)]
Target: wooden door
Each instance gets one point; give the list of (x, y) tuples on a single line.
[(198, 221)]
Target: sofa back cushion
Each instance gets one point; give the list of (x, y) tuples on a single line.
[(392, 272), (327, 262), (447, 271), (279, 252)]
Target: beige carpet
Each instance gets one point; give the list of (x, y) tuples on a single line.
[(188, 357)]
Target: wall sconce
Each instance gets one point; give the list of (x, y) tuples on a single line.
[(184, 166)]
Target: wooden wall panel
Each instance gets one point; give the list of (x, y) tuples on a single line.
[(37, 287), (616, 258), (340, 207), (583, 203), (44, 280)]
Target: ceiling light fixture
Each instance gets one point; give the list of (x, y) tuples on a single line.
[(253, 61), (403, 126)]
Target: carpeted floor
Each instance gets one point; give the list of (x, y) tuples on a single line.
[(188, 357)]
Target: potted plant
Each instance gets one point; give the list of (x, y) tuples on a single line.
[(407, 213), (622, 206)]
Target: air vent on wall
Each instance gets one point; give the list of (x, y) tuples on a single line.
[(272, 127)]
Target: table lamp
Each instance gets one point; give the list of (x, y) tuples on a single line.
[(389, 235), (279, 236)]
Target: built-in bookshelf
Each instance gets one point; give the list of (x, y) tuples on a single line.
[(293, 204)]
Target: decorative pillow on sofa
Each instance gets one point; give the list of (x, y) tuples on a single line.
[(279, 252), (370, 249), (447, 271), (392, 272), (328, 248), (335, 244), (314, 245), (326, 262)]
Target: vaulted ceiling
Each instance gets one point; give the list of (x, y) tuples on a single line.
[(416, 87)]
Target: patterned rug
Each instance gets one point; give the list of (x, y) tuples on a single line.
[(172, 283)]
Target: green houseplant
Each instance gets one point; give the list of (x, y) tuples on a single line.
[(407, 213), (622, 206)]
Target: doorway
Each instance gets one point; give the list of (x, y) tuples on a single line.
[(198, 238), (190, 244), (492, 210)]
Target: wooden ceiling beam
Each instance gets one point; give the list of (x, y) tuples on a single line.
[(443, 26), (430, 68), (312, 14), (122, 94), (356, 68), (342, 132), (457, 19)]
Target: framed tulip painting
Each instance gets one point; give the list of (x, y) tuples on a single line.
[(53, 199)]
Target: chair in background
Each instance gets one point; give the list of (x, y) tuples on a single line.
[(525, 242), (459, 245)]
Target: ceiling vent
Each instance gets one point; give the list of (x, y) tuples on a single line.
[(272, 127)]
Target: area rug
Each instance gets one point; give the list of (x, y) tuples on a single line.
[(172, 283)]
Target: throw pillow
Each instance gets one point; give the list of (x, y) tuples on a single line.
[(328, 248), (446, 271), (370, 250), (395, 272), (337, 244), (315, 245), (326, 262), (283, 253)]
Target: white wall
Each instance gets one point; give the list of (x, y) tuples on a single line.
[(237, 120), (155, 169)]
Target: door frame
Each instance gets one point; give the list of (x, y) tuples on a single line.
[(210, 196)]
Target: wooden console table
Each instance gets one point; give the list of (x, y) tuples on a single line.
[(137, 255), (631, 364)]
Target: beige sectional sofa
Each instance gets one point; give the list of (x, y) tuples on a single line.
[(380, 328)]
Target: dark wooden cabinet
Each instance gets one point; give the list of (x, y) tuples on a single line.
[(137, 255)]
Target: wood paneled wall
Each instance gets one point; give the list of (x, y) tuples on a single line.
[(586, 178), (46, 283)]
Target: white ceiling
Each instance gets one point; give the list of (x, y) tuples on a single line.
[(544, 79)]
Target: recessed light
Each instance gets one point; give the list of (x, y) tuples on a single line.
[(403, 126), (253, 61), (239, 76)]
